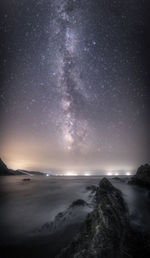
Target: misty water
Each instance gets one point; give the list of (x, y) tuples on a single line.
[(27, 205)]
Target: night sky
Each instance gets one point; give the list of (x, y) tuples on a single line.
[(74, 83)]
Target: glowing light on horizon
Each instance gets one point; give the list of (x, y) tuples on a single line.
[(87, 174), (70, 173), (128, 174), (116, 174), (109, 174)]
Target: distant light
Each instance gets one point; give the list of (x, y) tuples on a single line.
[(87, 174), (116, 174), (109, 174), (128, 174), (47, 174), (70, 174)]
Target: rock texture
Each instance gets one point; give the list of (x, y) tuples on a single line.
[(142, 176), (104, 230)]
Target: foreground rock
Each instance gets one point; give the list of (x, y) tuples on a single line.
[(104, 230), (142, 176), (75, 214)]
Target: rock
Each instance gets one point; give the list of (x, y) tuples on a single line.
[(104, 230), (26, 179), (78, 202), (92, 188), (142, 176), (3, 169), (119, 179), (75, 214), (116, 178)]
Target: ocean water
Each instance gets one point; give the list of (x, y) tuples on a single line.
[(27, 205)]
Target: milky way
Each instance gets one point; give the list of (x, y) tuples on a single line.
[(74, 83), (70, 86)]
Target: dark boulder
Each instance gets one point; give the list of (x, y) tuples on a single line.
[(104, 230), (92, 188), (26, 179), (78, 202), (142, 176)]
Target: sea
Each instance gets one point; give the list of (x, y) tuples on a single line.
[(26, 205)]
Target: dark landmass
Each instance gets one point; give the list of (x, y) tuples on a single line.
[(32, 173), (5, 171), (142, 176)]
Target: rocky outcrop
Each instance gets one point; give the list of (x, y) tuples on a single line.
[(142, 176), (104, 230), (75, 214), (3, 169)]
